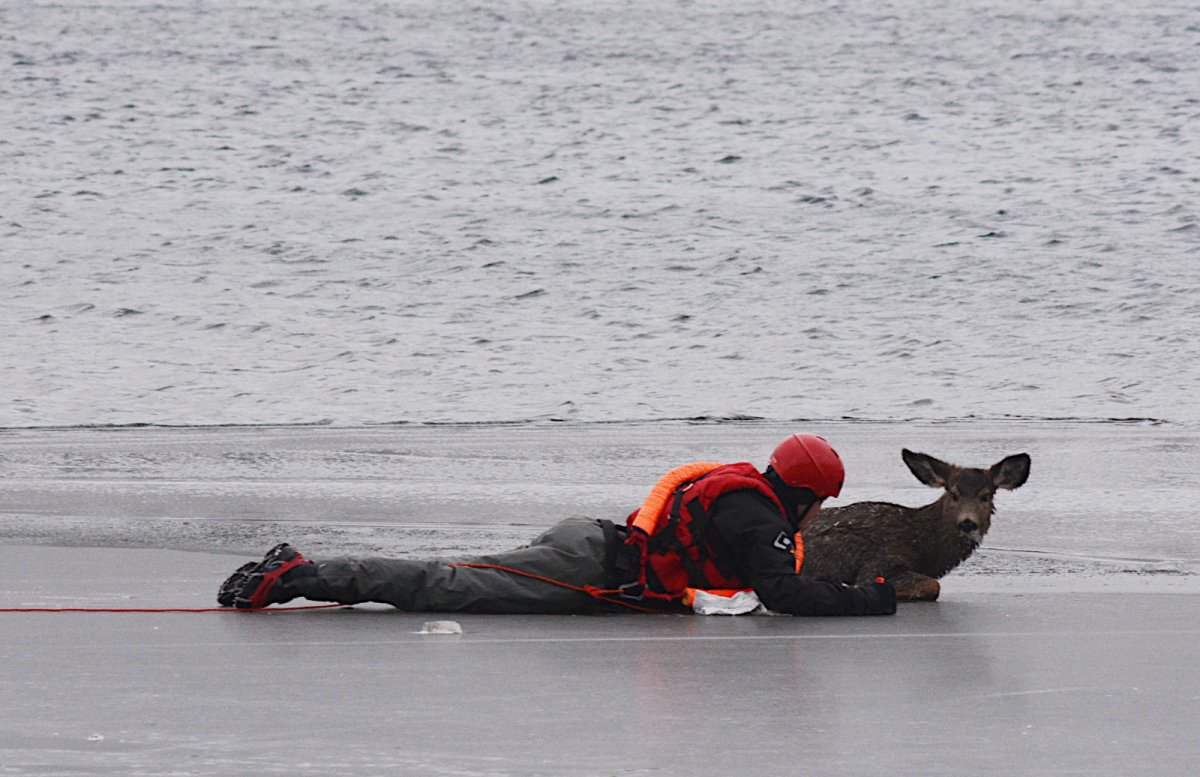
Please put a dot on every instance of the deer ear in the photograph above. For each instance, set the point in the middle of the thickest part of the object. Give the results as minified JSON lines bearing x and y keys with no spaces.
{"x":928,"y":470}
{"x":1012,"y":472}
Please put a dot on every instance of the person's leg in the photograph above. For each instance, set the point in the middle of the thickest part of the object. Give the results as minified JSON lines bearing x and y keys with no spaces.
{"x":571,"y":552}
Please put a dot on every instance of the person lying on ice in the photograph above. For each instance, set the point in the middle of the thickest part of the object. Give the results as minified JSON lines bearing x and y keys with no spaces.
{"x":706,"y":530}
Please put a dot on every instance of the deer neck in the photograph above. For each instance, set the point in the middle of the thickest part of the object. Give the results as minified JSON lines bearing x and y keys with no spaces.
{"x":945,"y":547}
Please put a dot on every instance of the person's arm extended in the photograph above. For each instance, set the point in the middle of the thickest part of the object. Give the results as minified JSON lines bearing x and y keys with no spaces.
{"x":752,"y":533}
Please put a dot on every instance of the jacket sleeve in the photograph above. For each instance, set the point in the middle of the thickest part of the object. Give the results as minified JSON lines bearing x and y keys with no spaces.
{"x":751,"y":536}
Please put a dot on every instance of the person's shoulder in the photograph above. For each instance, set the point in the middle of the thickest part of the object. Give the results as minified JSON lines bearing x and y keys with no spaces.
{"x":745,"y":500}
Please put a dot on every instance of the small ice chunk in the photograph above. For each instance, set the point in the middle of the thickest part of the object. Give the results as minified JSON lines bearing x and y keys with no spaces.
{"x":441,"y":627}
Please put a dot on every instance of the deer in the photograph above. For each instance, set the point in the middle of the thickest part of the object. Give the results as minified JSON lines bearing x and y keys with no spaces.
{"x":911,"y":547}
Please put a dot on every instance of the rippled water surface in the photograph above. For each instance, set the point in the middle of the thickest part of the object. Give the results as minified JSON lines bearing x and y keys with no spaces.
{"x":269,"y":212}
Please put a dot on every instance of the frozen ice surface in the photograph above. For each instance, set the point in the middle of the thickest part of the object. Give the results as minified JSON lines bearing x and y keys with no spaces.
{"x":978,"y":683}
{"x":1103,"y":501}
{"x":1066,"y":645}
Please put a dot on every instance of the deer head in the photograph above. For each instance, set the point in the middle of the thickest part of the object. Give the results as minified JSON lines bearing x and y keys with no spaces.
{"x":967,"y":503}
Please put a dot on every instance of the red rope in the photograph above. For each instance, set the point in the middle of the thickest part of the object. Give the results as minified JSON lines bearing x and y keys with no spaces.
{"x":604,"y":595}
{"x":170,"y":609}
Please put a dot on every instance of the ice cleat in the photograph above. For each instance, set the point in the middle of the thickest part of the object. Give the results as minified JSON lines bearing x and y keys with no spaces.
{"x":259,"y":583}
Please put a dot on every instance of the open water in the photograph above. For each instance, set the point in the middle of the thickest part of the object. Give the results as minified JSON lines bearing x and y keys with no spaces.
{"x":368,"y":212}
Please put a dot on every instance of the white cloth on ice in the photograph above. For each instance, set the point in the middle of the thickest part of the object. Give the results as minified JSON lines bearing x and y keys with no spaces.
{"x":741,"y":603}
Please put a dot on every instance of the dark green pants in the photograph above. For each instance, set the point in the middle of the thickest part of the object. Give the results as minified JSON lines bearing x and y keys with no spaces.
{"x":573,"y":552}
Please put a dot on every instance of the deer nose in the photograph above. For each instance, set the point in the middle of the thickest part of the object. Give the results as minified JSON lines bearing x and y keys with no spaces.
{"x":967,"y":526}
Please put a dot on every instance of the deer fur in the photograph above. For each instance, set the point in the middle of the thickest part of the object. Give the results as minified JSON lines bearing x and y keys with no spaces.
{"x":912,"y":547}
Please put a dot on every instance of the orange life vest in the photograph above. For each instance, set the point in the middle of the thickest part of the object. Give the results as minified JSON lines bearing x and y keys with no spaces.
{"x":669,"y":530}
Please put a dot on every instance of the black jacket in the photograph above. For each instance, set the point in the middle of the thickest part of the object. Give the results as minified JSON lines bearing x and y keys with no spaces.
{"x":749,"y":536}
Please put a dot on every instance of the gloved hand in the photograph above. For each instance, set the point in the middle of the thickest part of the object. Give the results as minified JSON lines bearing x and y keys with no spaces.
{"x":880,"y":598}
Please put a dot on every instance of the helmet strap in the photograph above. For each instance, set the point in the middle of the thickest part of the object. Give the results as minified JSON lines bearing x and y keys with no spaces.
{"x":793,"y":498}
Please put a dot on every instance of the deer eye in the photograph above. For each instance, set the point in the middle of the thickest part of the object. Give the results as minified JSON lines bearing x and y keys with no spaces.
{"x":985,"y":497}
{"x":953,"y":496}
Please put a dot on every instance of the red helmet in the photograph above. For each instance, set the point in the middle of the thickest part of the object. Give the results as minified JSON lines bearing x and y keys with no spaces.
{"x":808,"y":461}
